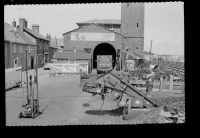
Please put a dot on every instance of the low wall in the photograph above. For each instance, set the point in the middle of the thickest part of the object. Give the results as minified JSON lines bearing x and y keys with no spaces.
{"x":13,"y":77}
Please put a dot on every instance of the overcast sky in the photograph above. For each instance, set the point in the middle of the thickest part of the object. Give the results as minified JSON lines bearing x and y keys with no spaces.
{"x":163,"y":23}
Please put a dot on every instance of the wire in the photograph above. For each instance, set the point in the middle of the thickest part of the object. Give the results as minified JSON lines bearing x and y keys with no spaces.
{"x":102,"y":103}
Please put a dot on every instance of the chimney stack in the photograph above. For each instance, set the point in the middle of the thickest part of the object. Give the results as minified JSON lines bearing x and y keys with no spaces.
{"x":48,"y":37}
{"x":35,"y":28}
{"x":23,"y":23}
{"x":14,"y":23}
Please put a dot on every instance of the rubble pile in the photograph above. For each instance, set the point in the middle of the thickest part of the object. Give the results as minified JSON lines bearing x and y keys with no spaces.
{"x":171,"y":110}
{"x":168,"y":100}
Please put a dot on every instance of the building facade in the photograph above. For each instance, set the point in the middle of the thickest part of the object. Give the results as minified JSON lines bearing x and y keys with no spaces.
{"x":132,"y":26}
{"x":15,"y":46}
{"x":53,"y":47}
{"x":41,"y":41}
{"x":93,"y":39}
{"x":107,"y":36}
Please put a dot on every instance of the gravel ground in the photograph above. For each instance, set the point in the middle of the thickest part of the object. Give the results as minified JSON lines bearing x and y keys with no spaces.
{"x":63,"y":103}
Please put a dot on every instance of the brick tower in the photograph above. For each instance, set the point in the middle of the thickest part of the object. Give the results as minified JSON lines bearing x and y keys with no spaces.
{"x":132,"y":26}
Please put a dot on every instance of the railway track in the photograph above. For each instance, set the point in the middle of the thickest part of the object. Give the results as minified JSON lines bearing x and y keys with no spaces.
{"x":175,"y":67}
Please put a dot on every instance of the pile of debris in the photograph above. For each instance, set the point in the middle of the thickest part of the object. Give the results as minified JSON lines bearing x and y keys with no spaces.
{"x":172,"y":110}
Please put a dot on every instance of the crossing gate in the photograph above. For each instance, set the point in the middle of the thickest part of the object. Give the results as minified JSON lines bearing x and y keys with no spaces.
{"x":67,"y":68}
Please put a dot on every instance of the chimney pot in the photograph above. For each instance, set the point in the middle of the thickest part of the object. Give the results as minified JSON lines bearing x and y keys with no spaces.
{"x":48,"y":36}
{"x":35,"y":28}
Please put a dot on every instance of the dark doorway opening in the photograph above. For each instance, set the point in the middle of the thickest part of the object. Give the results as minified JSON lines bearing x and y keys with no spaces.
{"x":32,"y":62}
{"x":104,"y":49}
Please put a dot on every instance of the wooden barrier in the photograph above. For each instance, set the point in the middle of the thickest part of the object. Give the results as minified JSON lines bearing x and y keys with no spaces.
{"x":13,"y":77}
{"x":170,"y":84}
{"x":65,"y":68}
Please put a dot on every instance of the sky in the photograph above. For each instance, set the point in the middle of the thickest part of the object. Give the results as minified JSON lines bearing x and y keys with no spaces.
{"x":163,"y":22}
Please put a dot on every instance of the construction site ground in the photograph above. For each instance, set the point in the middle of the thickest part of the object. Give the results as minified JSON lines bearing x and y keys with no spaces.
{"x":63,"y":103}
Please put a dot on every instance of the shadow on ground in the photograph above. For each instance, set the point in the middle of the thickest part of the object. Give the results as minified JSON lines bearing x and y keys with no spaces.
{"x":113,"y":112}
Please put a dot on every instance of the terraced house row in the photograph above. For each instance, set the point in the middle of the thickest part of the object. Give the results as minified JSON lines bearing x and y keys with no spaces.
{"x":19,"y":38}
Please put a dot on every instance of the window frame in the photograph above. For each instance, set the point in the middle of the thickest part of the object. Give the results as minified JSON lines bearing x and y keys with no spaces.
{"x":29,"y":48}
{"x":20,"y":49}
{"x":14,"y":48}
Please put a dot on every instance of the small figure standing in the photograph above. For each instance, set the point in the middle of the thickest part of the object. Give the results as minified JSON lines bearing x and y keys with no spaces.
{"x":149,"y":82}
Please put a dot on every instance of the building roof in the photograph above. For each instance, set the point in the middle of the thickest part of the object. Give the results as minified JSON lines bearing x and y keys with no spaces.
{"x":37,"y":35}
{"x":10,"y":34}
{"x":95,"y":25}
{"x":29,"y":39}
{"x":56,"y":43}
{"x":102,"y":21}
{"x":72,"y":56}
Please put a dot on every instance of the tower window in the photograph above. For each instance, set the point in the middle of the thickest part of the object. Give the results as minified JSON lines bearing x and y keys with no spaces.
{"x":137,"y":24}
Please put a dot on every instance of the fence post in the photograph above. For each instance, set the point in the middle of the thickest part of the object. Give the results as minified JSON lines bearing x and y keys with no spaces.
{"x":171,"y":83}
{"x":161,"y":83}
{"x":80,"y":75}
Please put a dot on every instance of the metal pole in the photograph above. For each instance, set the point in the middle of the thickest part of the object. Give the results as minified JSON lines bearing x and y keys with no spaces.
{"x":27,"y":78}
{"x":37,"y":83}
{"x":150,"y":49}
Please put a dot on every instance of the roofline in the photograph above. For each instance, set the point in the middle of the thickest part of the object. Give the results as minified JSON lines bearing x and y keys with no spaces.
{"x":95,"y":25}
{"x":35,"y":36}
{"x":88,"y":22}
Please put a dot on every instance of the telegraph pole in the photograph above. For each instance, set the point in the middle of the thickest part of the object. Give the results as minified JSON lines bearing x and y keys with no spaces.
{"x":151,"y":49}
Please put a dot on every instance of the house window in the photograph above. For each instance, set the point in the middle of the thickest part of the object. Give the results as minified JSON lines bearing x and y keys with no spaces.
{"x":35,"y":49}
{"x":29,"y":49}
{"x":20,"y":49}
{"x":14,"y":48}
{"x":16,"y":62}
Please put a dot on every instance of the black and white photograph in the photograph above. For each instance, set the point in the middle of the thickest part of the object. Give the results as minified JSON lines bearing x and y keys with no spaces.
{"x":94,"y":64}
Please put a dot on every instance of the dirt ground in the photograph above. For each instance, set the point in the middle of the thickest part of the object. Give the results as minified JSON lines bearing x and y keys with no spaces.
{"x":63,"y":103}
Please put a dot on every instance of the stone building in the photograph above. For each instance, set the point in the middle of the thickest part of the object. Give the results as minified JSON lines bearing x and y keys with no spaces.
{"x":107,"y":36}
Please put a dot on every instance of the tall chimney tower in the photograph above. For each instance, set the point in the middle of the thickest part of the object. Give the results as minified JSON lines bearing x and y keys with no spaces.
{"x":23,"y":23}
{"x":35,"y":28}
{"x":132,"y":26}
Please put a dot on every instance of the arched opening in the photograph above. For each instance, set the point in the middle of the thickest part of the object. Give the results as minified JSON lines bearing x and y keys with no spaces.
{"x":104,"y":49}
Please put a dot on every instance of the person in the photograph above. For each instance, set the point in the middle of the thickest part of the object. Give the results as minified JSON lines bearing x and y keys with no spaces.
{"x":149,"y":82}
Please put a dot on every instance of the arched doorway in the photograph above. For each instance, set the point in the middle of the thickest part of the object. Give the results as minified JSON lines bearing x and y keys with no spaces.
{"x":104,"y":49}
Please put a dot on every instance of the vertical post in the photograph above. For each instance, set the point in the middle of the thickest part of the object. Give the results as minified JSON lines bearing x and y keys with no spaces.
{"x":36,"y":71}
{"x":80,"y":75}
{"x":150,"y":49}
{"x":27,"y":78}
{"x":32,"y":95}
{"x":120,"y":59}
{"x":161,"y":83}
{"x":171,"y":83}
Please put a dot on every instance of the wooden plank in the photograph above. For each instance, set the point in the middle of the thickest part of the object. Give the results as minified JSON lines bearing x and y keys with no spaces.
{"x":161,"y":84}
{"x":171,"y":83}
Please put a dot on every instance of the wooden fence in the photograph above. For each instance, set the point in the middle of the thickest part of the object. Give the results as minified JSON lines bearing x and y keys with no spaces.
{"x":66,"y":68}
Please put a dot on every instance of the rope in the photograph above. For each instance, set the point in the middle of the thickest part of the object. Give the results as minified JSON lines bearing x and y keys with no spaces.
{"x":102,"y":104}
